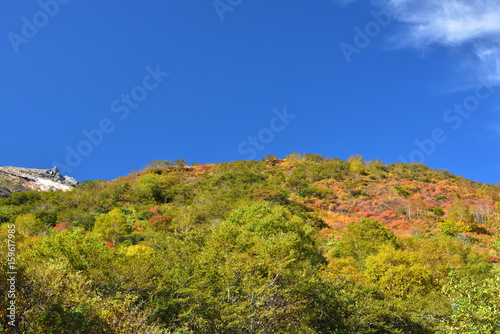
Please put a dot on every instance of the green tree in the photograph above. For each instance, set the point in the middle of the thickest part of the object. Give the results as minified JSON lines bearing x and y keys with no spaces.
{"x":112,"y":226}
{"x":357,"y":165}
{"x":48,"y":218}
{"x":362,"y":239}
{"x":399,"y":273}
{"x":71,"y":283}
{"x":156,"y":165}
{"x":460,"y":211}
{"x":28,"y":225}
{"x":453,"y":227}
{"x":476,"y":306}
{"x":180,"y":163}
{"x":257,"y":273}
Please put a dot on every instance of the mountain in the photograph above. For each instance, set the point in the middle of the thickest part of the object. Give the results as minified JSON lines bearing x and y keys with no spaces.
{"x":305,"y":244}
{"x":14,"y":179}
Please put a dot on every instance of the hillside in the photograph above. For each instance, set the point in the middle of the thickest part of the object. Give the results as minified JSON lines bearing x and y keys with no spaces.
{"x":305,"y":244}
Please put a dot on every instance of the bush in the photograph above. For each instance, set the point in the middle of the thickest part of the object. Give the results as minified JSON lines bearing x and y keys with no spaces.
{"x":453,"y":227}
{"x":21,"y":198}
{"x":438,"y":211}
{"x":62,"y":226}
{"x":57,"y":320}
{"x":159,"y":223}
{"x":48,"y":218}
{"x":401,"y":191}
{"x":256,"y":273}
{"x":29,"y":225}
{"x":399,"y":273}
{"x":363,"y":239}
{"x":304,"y":192}
{"x":475,"y":306}
{"x":180,"y":163}
{"x":112,"y":226}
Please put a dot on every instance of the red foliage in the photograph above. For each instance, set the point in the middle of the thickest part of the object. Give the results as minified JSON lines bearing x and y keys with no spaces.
{"x":388,"y":214}
{"x":494,"y":259}
{"x":368,"y":213}
{"x":63,"y":226}
{"x":341,"y":208}
{"x":109,"y":244}
{"x":201,"y":169}
{"x":159,"y":222}
{"x":400,"y":224}
{"x":138,"y":227}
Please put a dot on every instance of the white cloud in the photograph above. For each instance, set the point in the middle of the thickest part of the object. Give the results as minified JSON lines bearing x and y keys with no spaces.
{"x":489,"y":55}
{"x":448,"y":22}
{"x":471,"y":26}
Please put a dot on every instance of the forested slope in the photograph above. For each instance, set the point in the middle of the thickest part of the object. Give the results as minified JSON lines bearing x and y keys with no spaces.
{"x":301,"y":245}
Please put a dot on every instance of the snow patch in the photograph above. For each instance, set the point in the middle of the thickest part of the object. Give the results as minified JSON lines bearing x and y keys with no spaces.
{"x":46,"y":185}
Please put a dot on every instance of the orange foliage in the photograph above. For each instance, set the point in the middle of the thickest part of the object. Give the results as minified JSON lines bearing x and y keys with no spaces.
{"x":159,"y":222}
{"x":63,"y":226}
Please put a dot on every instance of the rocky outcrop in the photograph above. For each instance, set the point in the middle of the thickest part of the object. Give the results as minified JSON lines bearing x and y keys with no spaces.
{"x":14,"y":179}
{"x":4,"y":192}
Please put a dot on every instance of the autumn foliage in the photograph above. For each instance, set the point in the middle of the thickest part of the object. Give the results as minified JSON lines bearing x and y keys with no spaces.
{"x":306,"y":244}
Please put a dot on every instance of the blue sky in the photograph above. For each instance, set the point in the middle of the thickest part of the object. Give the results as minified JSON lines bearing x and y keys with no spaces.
{"x":100,"y":88}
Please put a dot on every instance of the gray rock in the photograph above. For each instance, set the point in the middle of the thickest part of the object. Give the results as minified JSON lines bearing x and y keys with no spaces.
{"x":19,"y":187}
{"x":71,"y":181}
{"x":26,"y":179}
{"x":4,"y":192}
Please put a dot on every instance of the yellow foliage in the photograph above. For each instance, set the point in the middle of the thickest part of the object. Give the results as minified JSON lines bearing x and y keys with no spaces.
{"x":139,"y":250}
{"x":452,"y":227}
{"x":399,"y":273}
{"x":112,"y":226}
{"x":28,"y":225}
{"x":346,"y":268}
